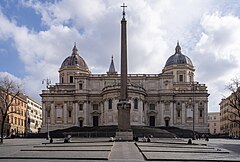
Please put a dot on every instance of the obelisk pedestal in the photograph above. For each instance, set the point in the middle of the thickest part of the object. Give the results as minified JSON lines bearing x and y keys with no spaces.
{"x":124,"y":132}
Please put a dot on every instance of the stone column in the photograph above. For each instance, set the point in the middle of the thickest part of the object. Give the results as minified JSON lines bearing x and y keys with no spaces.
{"x":85,"y":113}
{"x":196,"y":113}
{"x":141,"y":111}
{"x":76,"y":113}
{"x":183,"y":115}
{"x":65,"y":113}
{"x":173,"y":110}
{"x":52,"y":117}
{"x":162,"y":112}
{"x":44,"y":113}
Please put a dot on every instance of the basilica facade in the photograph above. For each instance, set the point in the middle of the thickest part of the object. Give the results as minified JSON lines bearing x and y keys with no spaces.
{"x":170,"y":98}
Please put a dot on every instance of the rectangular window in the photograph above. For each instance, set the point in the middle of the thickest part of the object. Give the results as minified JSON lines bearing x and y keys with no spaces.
{"x":110,"y":104}
{"x":48,"y":114}
{"x":70,"y":114}
{"x":152,"y":107}
{"x":80,"y":107}
{"x":180,"y":78}
{"x":178,"y":113}
{"x":80,"y":86}
{"x":95,"y":106}
{"x":200,"y":113}
{"x":135,"y":103}
{"x":71,"y":79}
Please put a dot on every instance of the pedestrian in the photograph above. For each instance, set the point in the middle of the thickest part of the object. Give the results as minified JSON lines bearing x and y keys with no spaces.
{"x":149,"y":139}
{"x":51,"y":140}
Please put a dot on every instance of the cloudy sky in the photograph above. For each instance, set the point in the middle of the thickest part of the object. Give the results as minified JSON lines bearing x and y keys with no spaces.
{"x":36,"y":36}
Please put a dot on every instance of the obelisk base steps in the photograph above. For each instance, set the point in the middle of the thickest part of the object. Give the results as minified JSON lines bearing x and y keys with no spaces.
{"x":124,"y":135}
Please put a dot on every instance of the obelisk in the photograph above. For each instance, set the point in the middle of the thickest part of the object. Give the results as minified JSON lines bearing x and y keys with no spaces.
{"x":124,"y":131}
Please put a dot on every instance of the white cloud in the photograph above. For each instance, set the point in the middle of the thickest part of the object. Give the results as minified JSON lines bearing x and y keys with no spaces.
{"x":218,"y":49}
{"x":82,"y":13}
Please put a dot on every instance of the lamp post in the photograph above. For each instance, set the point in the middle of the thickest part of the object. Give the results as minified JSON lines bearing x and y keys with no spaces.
{"x":48,"y":82}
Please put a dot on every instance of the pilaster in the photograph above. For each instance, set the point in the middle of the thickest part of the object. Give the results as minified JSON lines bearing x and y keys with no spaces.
{"x":52,"y":117}
{"x":65,"y":113}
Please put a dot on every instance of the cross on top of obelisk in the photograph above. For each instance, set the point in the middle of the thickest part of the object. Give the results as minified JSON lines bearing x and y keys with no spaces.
{"x":123,"y":6}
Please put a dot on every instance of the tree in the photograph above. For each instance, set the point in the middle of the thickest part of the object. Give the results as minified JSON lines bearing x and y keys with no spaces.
{"x":9,"y":91}
{"x":234,"y":101}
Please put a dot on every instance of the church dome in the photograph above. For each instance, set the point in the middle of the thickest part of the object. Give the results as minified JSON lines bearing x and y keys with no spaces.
{"x":178,"y":58}
{"x":74,"y":60}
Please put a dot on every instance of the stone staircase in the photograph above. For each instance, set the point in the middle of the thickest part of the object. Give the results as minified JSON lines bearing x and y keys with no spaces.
{"x":105,"y":131}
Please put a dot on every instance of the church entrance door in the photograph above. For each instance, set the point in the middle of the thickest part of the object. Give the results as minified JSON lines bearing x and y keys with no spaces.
{"x":95,"y":121}
{"x":80,"y":123}
{"x":152,"y":121}
{"x":167,"y":122}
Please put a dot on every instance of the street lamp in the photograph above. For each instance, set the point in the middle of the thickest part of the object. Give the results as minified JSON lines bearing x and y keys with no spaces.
{"x":47,"y":82}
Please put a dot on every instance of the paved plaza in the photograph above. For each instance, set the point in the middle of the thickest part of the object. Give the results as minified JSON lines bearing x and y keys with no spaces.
{"x":100,"y":149}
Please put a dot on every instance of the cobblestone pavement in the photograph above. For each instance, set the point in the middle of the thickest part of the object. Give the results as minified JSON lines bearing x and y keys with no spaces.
{"x":100,"y":149}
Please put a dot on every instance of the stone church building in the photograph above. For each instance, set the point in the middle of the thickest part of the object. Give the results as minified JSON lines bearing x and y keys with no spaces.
{"x":171,"y":98}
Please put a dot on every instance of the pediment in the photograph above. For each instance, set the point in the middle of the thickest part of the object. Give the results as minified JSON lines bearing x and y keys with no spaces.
{"x":95,"y":113}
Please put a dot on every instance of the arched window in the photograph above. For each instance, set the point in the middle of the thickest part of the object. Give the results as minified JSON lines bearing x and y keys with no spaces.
{"x":110,"y":104}
{"x":135,"y":103}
